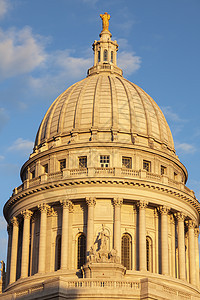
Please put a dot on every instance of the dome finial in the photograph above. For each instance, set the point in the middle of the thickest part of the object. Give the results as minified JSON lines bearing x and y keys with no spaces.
{"x":105,"y":21}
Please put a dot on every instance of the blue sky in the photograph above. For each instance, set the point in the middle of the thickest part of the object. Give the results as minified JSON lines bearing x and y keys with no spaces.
{"x":45,"y":46}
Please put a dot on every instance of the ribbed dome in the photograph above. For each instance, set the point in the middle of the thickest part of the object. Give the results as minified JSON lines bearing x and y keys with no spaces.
{"x":105,"y":102}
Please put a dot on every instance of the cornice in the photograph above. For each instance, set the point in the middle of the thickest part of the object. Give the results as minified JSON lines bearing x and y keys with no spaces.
{"x":100,"y":181}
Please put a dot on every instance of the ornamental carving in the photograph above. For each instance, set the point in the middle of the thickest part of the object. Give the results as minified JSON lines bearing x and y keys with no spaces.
{"x":180,"y":216}
{"x":164,"y":210}
{"x":43,"y":207}
{"x":14,"y":221}
{"x":51,"y":212}
{"x":142,"y":204}
{"x":117,"y":202}
{"x":190,"y":224}
{"x":90,"y":201}
{"x":26,"y":214}
{"x":196,"y":232}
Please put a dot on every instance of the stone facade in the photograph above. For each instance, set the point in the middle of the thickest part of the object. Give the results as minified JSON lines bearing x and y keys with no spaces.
{"x":103,"y":211}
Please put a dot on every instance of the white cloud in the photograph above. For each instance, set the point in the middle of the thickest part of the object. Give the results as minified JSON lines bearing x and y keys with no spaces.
{"x":129,"y":62}
{"x":20,"y":52}
{"x":171,"y":115}
{"x":25,"y":146}
{"x":4,"y":6}
{"x":185,"y":148}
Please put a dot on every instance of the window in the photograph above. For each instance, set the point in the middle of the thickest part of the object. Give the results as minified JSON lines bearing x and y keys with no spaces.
{"x":111,"y":58}
{"x":126,"y":162}
{"x":163,"y":170}
{"x":126,"y":251}
{"x":62,"y":164}
{"x":104,"y":161}
{"x":81,"y":251}
{"x":99,"y":56}
{"x":83,"y":162}
{"x":147,"y":165}
{"x":149,"y":253}
{"x":58,"y":253}
{"x":105,"y":55}
{"x":33,"y":174}
{"x":45,"y":168}
{"x":175,"y":176}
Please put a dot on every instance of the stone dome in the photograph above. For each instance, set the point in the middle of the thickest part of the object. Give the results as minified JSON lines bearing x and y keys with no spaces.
{"x":105,"y":102}
{"x":105,"y":107}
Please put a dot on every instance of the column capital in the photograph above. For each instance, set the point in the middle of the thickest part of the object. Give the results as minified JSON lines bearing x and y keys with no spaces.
{"x":43,"y":207}
{"x":164,"y":210}
{"x":51,"y":212}
{"x":142,"y":204}
{"x":91,"y":201}
{"x":180,"y":216}
{"x":172,"y":219}
{"x":117,"y":202}
{"x":196,"y":232}
{"x":65,"y":203}
{"x":26,"y":214}
{"x":190,"y":224}
{"x":14,"y":222}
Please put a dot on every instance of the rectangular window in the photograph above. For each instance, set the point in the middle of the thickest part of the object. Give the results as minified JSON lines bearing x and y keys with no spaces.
{"x":126,"y":162}
{"x":99,"y":56}
{"x":163,"y":170}
{"x":111,"y":56}
{"x":175,"y":176}
{"x":62,"y":164}
{"x":147,"y":165}
{"x":104,"y":161}
{"x":45,"y":168}
{"x":82,"y":162}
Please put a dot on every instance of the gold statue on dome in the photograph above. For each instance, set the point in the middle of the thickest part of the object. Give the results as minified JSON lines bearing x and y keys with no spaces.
{"x":105,"y":20}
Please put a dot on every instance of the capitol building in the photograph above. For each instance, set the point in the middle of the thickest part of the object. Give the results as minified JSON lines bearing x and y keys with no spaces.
{"x":103,"y":211}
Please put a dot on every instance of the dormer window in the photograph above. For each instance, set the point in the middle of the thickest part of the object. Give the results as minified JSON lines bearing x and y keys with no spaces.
{"x":62,"y":164}
{"x":83,"y":162}
{"x":104,"y":161}
{"x":105,"y":55}
{"x":126,"y":162}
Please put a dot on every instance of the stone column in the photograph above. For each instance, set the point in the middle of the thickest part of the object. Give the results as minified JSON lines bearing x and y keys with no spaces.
{"x":142,"y":236}
{"x":65,"y":233}
{"x":117,"y":202}
{"x":9,"y":230}
{"x":173,"y":246}
{"x":25,"y":243}
{"x":181,"y":246}
{"x":156,"y":256}
{"x":90,"y":222}
{"x":196,"y":233}
{"x":42,"y":243}
{"x":191,"y":250}
{"x":13,"y":259}
{"x":164,"y":240}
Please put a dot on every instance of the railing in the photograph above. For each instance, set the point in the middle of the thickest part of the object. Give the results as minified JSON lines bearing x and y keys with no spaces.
{"x":102,"y":172}
{"x":85,"y":283}
{"x":78,"y":171}
{"x":150,"y":175}
{"x":130,"y":172}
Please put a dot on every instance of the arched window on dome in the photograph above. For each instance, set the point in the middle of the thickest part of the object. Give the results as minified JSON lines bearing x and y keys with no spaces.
{"x":58,"y":252}
{"x":126,"y":251}
{"x":81,"y":250}
{"x":99,"y":56}
{"x":149,"y":254}
{"x":105,"y":55}
{"x":111,"y":57}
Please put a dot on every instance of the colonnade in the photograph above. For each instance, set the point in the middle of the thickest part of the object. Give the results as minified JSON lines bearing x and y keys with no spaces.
{"x":182,"y":221}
